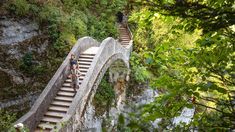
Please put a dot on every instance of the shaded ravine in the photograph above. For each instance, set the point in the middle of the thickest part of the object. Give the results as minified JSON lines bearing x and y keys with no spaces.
{"x":30,"y":97}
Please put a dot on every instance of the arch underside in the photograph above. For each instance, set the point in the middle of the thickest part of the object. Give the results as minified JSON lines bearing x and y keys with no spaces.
{"x":117,"y":64}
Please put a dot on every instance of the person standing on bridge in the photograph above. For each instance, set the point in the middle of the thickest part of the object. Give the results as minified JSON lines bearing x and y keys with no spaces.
{"x":73,"y":61}
{"x":119,"y":17}
{"x":75,"y":77}
{"x":75,"y":73}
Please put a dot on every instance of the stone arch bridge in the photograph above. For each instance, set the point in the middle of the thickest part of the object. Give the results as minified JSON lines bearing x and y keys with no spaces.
{"x":57,"y":109}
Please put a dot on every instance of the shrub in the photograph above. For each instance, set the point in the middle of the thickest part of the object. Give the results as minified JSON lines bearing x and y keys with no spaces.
{"x":139,"y":71}
{"x":6,"y":119}
{"x":64,"y":43}
{"x":75,"y":24}
{"x":104,"y":96}
{"x":27,"y":59}
{"x":50,"y":13}
{"x":19,"y":7}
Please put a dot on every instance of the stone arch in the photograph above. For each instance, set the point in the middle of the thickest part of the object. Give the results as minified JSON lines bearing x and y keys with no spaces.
{"x":114,"y":61}
{"x":110,"y":53}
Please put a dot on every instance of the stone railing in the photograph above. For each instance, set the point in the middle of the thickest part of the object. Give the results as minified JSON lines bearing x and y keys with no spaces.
{"x":109,"y":52}
{"x":33,"y":117}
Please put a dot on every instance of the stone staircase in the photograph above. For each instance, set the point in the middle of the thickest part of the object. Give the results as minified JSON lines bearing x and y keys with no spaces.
{"x":124,"y":36}
{"x":60,"y":105}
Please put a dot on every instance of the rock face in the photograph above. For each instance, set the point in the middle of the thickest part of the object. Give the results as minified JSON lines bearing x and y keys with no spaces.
{"x":5,"y":79}
{"x":13,"y":31}
{"x":19,"y":37}
{"x":12,"y":77}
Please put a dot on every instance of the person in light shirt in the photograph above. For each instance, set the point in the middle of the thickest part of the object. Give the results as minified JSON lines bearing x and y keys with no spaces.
{"x":75,"y":73}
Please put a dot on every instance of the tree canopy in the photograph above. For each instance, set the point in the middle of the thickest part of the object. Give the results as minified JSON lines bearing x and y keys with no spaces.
{"x":189,"y":47}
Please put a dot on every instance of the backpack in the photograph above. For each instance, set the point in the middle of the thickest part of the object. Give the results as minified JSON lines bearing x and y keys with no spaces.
{"x":73,"y":62}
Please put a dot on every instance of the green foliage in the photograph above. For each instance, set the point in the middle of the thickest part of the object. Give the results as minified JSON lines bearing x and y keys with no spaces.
{"x":139,"y":72}
{"x":121,"y":124}
{"x":19,"y":7}
{"x":68,"y":20}
{"x":27,"y":59}
{"x":76,"y":24}
{"x":103,"y":26}
{"x":50,"y":13}
{"x":104,"y":96}
{"x":64,"y":43}
{"x":188,"y":57}
{"x":28,"y":65}
{"x":6,"y":120}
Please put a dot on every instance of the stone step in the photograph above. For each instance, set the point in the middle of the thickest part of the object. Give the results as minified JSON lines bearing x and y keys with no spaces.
{"x":60,"y":103}
{"x":58,"y":108}
{"x":124,"y":36}
{"x":54,"y":114}
{"x":66,"y":89}
{"x":62,"y":98}
{"x":84,"y":63}
{"x":125,"y":44}
{"x":83,"y":70}
{"x":123,"y":30}
{"x":63,"y":93}
{"x":68,"y":80}
{"x":50,"y":119}
{"x":85,"y":59}
{"x":124,"y":33}
{"x":83,"y":67}
{"x":83,"y":74}
{"x":125,"y":41}
{"x":86,"y":56}
{"x":41,"y":130}
{"x":81,"y":78}
{"x":80,"y":82}
{"x":45,"y":126}
{"x":67,"y":85}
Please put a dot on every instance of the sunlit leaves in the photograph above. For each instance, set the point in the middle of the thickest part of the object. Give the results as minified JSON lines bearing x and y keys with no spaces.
{"x":189,"y":48}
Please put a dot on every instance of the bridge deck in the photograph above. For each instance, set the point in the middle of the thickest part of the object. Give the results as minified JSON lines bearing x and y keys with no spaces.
{"x":60,"y":105}
{"x":92,"y":50}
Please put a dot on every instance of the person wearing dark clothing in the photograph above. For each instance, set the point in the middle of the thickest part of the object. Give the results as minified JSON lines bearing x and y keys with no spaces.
{"x":119,"y":17}
{"x":75,"y":73}
{"x":73,"y":60}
